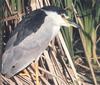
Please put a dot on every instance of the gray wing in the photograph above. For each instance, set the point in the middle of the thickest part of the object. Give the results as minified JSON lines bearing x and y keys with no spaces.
{"x":11,"y":41}
{"x":30,"y":24}
{"x":18,"y":57}
{"x":15,"y":57}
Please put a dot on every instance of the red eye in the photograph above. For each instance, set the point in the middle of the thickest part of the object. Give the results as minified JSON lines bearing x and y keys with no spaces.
{"x":63,"y":15}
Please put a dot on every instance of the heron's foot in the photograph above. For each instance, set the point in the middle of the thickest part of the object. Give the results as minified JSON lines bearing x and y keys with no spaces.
{"x":24,"y":73}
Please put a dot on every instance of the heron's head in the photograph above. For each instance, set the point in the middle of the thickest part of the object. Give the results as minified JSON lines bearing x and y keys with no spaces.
{"x":59,"y":16}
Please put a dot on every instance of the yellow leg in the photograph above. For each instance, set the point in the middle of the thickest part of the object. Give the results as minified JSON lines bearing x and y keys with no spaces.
{"x":37,"y":74}
{"x":24,"y":73}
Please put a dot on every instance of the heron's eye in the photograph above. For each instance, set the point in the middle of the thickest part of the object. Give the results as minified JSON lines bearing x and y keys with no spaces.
{"x":63,"y":15}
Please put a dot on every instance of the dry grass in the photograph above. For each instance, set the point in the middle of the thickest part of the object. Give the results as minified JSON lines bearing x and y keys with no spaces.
{"x":55,"y":64}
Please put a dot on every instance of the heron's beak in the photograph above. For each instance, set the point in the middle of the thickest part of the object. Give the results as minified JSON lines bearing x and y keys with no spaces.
{"x":70,"y":23}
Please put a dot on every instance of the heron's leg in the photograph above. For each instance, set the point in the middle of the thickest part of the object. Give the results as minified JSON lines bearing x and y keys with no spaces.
{"x":36,"y":73}
{"x":24,"y":73}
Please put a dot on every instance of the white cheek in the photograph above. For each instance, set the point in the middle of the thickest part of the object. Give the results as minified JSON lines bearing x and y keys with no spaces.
{"x":57,"y":19}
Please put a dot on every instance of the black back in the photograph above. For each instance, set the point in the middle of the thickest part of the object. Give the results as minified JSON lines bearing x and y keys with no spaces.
{"x":32,"y":22}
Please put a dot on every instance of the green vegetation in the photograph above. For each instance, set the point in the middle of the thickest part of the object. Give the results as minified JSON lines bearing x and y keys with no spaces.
{"x":83,"y":43}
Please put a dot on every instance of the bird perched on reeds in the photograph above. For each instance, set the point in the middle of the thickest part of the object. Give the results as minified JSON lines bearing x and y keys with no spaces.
{"x":31,"y":37}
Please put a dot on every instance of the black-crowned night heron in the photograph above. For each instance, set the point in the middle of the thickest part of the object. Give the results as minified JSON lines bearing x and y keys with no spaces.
{"x":31,"y":37}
